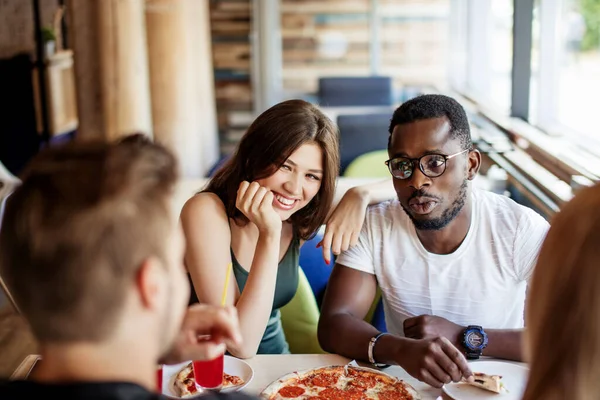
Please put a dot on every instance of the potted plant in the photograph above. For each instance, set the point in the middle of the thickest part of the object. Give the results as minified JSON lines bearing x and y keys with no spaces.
{"x":49,"y":40}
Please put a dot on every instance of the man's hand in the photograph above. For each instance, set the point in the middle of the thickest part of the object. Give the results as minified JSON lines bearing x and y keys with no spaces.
{"x":434,"y":361}
{"x":430,"y":326}
{"x":344,"y":224}
{"x":205,"y":333}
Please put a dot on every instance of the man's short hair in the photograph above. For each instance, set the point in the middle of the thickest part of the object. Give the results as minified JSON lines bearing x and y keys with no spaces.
{"x":430,"y":106}
{"x":77,"y":229}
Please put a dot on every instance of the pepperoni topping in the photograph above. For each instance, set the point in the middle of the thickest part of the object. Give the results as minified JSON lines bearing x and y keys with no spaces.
{"x":360,"y":386}
{"x":399,"y":393}
{"x":231,"y":380}
{"x":321,"y":380}
{"x":332,"y":394}
{"x":355,"y":394}
{"x":190,"y":385}
{"x":291,"y":391}
{"x":363,"y":382}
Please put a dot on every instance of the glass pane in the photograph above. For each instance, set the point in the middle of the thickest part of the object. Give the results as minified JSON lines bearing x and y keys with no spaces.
{"x":501,"y":46}
{"x":579,"y":65}
{"x":491,"y":55}
{"x":566,"y":69}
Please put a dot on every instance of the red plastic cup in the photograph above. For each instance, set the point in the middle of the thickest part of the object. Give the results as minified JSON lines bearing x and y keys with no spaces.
{"x":209,"y":374}
{"x":159,"y":378}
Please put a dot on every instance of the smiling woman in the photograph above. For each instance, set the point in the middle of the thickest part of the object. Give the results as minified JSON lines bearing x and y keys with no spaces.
{"x":274,"y":193}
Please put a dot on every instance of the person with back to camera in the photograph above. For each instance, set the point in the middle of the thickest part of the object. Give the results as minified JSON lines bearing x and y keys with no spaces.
{"x":93,"y":256}
{"x":258,"y":210}
{"x":562,"y":338}
{"x":452,"y":260}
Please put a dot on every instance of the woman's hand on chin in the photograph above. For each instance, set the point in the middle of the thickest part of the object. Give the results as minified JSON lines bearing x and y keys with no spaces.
{"x":256,"y":203}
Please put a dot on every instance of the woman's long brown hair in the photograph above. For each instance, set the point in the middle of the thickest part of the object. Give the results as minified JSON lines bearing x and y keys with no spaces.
{"x":267,"y":144}
{"x":563,"y":309}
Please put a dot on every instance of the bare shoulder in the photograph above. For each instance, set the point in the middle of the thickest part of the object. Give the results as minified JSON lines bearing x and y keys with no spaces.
{"x":204,"y":206}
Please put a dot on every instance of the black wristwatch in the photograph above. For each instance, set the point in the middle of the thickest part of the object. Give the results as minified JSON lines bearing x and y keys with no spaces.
{"x":474,"y":341}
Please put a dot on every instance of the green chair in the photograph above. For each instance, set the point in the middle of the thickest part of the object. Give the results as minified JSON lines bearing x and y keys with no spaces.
{"x":369,"y":165}
{"x":300,"y":318}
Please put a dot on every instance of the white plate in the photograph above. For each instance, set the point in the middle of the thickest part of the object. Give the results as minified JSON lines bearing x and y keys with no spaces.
{"x":514,"y":377}
{"x":231,"y":366}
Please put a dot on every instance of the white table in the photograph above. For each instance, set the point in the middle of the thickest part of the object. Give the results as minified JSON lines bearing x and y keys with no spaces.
{"x":267,"y":368}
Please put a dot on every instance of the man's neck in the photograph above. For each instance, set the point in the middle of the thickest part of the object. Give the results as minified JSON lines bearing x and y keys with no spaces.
{"x":448,"y":239}
{"x":93,"y":362}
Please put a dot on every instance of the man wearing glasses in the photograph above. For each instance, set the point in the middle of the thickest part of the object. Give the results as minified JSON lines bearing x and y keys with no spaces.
{"x":452,"y":261}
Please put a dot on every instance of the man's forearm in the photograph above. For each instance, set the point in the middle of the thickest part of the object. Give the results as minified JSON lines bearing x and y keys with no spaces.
{"x":504,"y":343}
{"x":346,"y":335}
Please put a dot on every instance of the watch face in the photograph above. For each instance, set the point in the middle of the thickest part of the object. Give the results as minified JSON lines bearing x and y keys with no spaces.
{"x":474,"y":340}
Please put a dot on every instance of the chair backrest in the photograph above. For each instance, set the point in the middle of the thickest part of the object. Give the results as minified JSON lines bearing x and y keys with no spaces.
{"x":369,"y":165}
{"x":317,"y":274}
{"x":360,"y":134}
{"x":355,"y":91}
{"x":376,"y":316}
{"x":314,"y":267}
{"x":300,"y":320}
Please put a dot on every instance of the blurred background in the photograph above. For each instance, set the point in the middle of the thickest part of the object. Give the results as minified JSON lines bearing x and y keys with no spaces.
{"x":193,"y":74}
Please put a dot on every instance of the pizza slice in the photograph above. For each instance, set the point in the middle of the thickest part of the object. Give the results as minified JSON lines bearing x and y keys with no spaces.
{"x":231,"y":380}
{"x":184,"y":383}
{"x":493,"y":383}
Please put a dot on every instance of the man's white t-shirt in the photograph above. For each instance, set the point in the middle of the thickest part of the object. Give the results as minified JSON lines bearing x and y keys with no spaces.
{"x":482,"y":283}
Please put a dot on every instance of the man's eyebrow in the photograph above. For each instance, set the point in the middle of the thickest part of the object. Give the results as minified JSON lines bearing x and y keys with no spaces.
{"x":316,"y":171}
{"x":433,"y":151}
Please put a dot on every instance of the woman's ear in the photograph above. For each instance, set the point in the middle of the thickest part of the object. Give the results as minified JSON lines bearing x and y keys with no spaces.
{"x":474,"y":163}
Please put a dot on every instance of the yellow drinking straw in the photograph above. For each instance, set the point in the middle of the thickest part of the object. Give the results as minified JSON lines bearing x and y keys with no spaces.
{"x":224,"y":296}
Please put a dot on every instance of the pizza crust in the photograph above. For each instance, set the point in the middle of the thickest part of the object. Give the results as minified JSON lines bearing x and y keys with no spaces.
{"x":184,"y":384}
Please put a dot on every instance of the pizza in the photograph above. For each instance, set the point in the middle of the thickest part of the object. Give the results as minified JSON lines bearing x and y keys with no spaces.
{"x":493,"y":383}
{"x":184,"y":384}
{"x":339,"y":382}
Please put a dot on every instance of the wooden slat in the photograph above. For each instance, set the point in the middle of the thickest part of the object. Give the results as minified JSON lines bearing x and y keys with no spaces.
{"x":232,"y":54}
{"x":230,"y":27}
{"x":320,"y":6}
{"x":232,"y":6}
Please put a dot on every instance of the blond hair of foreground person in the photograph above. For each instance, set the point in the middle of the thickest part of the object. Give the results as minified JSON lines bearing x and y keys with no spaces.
{"x":562,"y":315}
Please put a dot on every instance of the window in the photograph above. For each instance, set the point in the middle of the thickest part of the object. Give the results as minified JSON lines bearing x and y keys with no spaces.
{"x":567,"y":73}
{"x":481,"y":61}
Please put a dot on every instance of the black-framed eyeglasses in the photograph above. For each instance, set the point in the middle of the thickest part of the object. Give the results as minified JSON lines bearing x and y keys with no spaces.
{"x":431,"y":165}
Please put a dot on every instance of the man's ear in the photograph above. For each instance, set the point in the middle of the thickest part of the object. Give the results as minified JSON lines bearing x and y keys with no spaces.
{"x":474,"y":162}
{"x":148,"y":282}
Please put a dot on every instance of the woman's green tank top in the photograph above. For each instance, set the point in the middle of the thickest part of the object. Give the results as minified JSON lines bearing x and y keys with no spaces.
{"x":273,"y":341}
